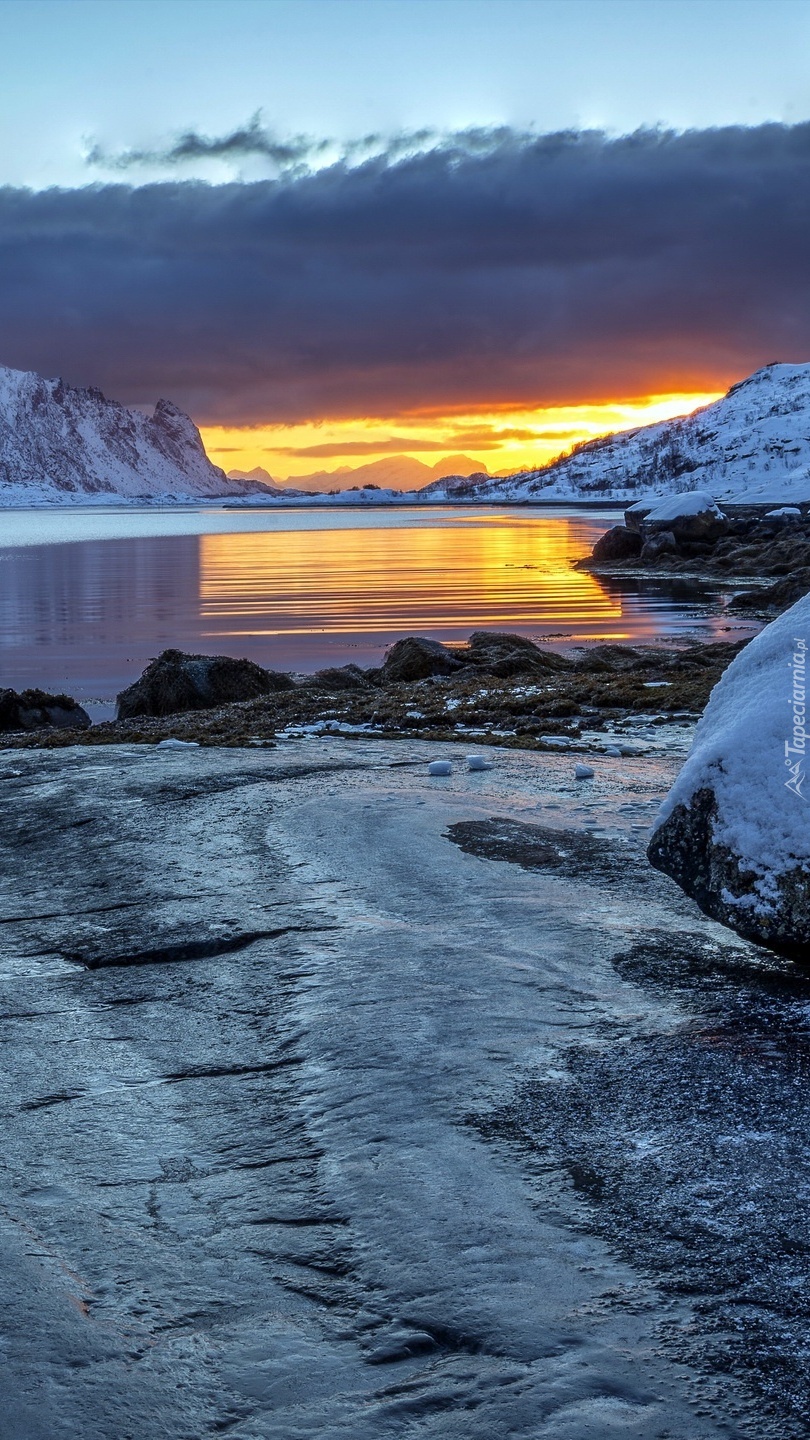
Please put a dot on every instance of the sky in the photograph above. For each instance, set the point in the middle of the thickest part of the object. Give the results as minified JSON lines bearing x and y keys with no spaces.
{"x":333,"y":230}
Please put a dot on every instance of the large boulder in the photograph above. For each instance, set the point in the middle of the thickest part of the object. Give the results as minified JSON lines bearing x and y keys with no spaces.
{"x":734,"y":831}
{"x":175,"y":682}
{"x":691,"y":516}
{"x":37,"y":710}
{"x":505,"y":655}
{"x":635,"y":514}
{"x":415,"y":658}
{"x":337,"y":677}
{"x":617,"y":544}
{"x":661,"y":543}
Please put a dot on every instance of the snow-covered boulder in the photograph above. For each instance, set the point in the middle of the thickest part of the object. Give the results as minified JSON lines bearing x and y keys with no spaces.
{"x":785,"y":515}
{"x":691,"y":516}
{"x":635,"y":514}
{"x":734,"y":830}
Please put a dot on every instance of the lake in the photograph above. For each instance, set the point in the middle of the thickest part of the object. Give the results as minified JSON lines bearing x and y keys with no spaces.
{"x":87,"y":597}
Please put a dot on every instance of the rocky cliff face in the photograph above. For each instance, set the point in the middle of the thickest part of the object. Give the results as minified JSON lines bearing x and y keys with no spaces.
{"x":62,"y":444}
{"x":751,"y":446}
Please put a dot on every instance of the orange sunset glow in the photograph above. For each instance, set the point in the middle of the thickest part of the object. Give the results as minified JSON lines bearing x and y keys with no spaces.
{"x":501,"y":440}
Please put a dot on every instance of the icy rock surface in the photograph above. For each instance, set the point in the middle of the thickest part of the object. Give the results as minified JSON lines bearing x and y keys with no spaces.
{"x":735,"y":829}
{"x":254,"y":1006}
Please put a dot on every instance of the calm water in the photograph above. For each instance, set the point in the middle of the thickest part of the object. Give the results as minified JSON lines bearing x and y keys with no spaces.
{"x":87,"y":598}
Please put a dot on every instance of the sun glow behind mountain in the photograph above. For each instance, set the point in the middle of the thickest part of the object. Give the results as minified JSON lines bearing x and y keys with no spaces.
{"x":505,"y":439}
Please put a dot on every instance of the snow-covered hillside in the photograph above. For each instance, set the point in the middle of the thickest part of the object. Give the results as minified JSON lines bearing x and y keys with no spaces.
{"x":753,"y":445}
{"x":60,"y":445}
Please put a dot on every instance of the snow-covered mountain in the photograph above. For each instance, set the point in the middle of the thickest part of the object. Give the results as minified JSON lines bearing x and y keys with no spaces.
{"x":63,"y":445}
{"x":753,"y":445}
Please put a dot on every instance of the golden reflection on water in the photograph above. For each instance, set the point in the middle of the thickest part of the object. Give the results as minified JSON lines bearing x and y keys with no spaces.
{"x":482,"y":572}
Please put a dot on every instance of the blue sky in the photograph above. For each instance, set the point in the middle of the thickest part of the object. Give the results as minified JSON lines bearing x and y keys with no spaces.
{"x":123,"y":74}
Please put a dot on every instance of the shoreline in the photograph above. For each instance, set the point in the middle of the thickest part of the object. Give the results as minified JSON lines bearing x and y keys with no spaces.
{"x":608,"y":695}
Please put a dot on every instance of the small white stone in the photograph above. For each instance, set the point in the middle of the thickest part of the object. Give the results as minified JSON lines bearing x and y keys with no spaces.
{"x":477,"y":762}
{"x":583,"y":772}
{"x":612,"y":750}
{"x":440,"y":767}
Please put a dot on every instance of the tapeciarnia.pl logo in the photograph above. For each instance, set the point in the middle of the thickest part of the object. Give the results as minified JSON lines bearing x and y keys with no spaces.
{"x":796,"y":748}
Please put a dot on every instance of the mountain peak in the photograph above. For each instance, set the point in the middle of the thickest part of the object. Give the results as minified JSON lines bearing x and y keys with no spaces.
{"x":58,"y":442}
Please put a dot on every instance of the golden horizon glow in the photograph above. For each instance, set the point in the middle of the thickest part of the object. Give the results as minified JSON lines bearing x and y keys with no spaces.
{"x":502,"y":440}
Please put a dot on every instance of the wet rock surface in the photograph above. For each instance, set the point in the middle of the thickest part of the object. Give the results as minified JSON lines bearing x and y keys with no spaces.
{"x":241,"y":1189}
{"x":687,"y":1150}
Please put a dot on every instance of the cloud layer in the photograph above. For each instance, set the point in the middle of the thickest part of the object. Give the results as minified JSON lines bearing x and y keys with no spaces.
{"x":519,"y":271}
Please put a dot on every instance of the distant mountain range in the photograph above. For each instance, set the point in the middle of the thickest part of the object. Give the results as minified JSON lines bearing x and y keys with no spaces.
{"x":393,"y":472}
{"x":60,"y":444}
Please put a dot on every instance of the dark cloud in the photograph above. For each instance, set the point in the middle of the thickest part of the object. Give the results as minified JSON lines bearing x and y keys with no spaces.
{"x":532,"y":270}
{"x":248,"y":140}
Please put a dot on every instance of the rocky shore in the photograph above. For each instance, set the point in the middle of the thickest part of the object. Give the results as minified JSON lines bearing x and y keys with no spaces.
{"x":765,"y":550}
{"x":498,"y":689}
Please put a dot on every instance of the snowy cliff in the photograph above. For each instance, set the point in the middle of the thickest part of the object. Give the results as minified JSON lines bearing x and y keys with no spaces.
{"x":59,"y":444}
{"x":753,"y":445}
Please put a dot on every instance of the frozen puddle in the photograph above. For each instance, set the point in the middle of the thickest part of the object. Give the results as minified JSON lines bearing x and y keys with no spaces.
{"x":282,"y":1035}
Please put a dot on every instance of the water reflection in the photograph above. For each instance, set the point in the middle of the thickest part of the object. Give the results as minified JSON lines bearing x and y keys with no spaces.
{"x":86,"y":616}
{"x":444,"y":580}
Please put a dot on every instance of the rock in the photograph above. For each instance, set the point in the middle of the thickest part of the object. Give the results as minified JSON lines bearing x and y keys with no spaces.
{"x":36,"y":710}
{"x":415,"y":658}
{"x":506,"y":655}
{"x":775,"y":598}
{"x":734,"y":831}
{"x":661,"y":544}
{"x":634,"y":514}
{"x":176,"y":682}
{"x":786,"y":515}
{"x":617,"y":544}
{"x":337,"y":677}
{"x":477,"y":762}
{"x":440,"y":767}
{"x":691,"y":516}
{"x":583,"y":772}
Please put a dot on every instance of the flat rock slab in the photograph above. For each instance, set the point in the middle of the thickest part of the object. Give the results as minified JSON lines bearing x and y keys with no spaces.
{"x":268,"y":1035}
